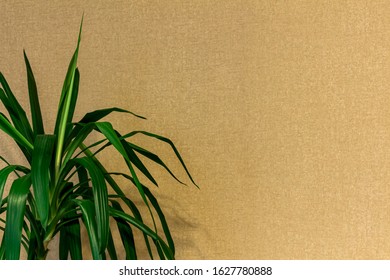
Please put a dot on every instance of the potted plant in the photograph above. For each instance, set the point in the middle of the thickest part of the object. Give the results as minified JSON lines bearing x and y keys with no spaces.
{"x":64,"y":184}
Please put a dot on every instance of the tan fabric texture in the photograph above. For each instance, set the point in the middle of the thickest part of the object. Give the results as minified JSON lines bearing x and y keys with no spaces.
{"x":279,"y":108}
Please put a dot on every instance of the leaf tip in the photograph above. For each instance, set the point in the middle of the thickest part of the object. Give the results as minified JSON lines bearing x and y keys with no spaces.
{"x":81,"y":28}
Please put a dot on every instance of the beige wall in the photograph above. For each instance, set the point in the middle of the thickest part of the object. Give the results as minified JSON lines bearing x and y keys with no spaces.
{"x":280,"y":108}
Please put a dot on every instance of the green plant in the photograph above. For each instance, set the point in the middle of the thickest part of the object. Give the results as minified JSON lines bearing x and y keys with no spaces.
{"x":65,"y":184}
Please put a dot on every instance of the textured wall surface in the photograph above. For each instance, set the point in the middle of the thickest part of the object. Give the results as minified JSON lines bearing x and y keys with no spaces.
{"x":280,"y":109}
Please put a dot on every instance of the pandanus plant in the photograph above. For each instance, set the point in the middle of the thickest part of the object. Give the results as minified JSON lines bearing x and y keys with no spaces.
{"x":64,"y":186}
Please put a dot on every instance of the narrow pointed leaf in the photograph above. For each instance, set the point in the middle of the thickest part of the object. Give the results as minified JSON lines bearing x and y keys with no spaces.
{"x":153,"y":157}
{"x":109,"y":132}
{"x":75,"y":92}
{"x":168,"y":141}
{"x":67,"y":82}
{"x":18,"y":115}
{"x":69,"y":124}
{"x":11,"y":111}
{"x":7,"y":127}
{"x":97,"y":115}
{"x":137,"y":162}
{"x":64,"y":110}
{"x":36,"y":114}
{"x":15,"y":120}
{"x":101,"y":113}
{"x":7,"y":104}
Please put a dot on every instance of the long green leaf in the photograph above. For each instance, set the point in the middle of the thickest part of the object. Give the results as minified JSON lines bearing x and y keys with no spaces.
{"x":158,"y":210}
{"x":95,"y":116}
{"x":11,"y":110}
{"x":137,"y":162}
{"x":101,"y":113}
{"x":88,"y":212}
{"x":144,"y":228}
{"x":153,"y":157}
{"x":108,"y":131}
{"x":76,"y":252}
{"x":64,"y":109}
{"x":160,"y":250}
{"x":4,"y":173}
{"x":130,"y":204}
{"x":22,"y":168}
{"x":126,"y":234}
{"x":40,"y":175}
{"x":111,"y":247}
{"x":7,"y":127}
{"x":15,"y":120}
{"x":100,"y":195}
{"x":73,"y":101}
{"x":117,"y":190}
{"x":168,"y":141}
{"x":7,"y":104}
{"x":15,"y":216}
{"x":70,"y":240}
{"x":67,"y":84}
{"x":82,"y":134}
{"x":72,"y":107}
{"x":36,"y":114}
{"x":18,"y":115}
{"x":161,"y":216}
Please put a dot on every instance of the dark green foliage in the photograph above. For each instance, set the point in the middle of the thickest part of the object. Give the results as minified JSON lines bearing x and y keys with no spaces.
{"x":65,"y":185}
